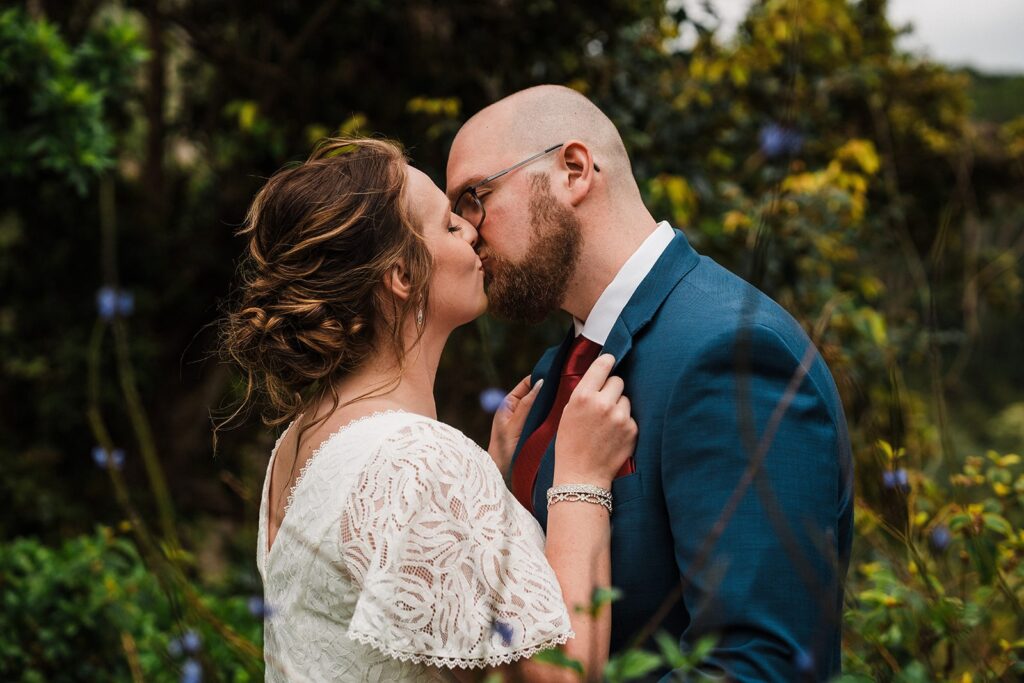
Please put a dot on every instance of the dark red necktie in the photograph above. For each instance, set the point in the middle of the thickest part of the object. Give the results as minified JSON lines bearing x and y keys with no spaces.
{"x":582,"y":353}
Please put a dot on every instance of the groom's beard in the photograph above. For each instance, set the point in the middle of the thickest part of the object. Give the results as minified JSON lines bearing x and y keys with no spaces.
{"x":531,"y":290}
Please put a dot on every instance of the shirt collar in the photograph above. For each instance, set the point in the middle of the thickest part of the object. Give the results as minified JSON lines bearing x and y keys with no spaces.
{"x":619,"y":291}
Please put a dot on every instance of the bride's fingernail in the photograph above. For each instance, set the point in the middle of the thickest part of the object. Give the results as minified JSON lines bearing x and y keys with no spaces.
{"x":538,"y":384}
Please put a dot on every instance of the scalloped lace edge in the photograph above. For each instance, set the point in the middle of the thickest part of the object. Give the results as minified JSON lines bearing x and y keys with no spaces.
{"x":323,"y":445}
{"x":462,"y":662}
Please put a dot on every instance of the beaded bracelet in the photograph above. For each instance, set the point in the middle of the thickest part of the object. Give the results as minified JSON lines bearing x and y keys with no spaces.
{"x":580,"y":493}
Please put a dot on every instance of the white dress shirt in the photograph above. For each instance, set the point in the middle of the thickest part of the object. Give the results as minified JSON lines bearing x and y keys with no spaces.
{"x":620,"y":290}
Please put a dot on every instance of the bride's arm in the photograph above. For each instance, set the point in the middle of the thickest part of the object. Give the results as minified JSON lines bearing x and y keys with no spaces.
{"x":577,"y":547}
{"x":596,"y":436}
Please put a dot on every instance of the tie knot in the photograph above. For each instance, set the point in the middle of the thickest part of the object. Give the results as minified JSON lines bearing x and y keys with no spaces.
{"x":582,"y":354}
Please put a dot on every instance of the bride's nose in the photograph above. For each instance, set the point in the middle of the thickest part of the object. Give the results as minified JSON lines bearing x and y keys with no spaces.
{"x":469,"y":231}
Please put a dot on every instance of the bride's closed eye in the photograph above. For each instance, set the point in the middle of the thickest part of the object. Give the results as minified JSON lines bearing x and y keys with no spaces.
{"x":454,"y":228}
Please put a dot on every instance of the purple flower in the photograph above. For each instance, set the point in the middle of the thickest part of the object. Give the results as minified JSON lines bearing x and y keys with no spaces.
{"x":102,"y":457}
{"x":776,"y":140}
{"x":191,"y":671}
{"x":491,"y":399}
{"x":940,"y":537}
{"x":504,"y":630}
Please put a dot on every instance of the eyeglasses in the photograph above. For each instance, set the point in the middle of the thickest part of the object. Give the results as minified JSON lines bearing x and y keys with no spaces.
{"x":468,"y":204}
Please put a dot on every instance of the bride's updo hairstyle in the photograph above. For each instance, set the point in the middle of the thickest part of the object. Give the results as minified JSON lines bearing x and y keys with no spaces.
{"x":311,"y":304}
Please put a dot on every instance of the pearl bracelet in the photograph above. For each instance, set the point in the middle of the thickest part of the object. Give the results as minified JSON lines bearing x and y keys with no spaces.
{"x":580,"y":493}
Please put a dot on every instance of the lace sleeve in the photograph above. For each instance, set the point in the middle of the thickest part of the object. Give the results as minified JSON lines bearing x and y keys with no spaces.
{"x":451,"y":569}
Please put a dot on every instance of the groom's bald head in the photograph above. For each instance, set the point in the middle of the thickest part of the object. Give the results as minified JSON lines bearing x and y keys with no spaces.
{"x":531,"y":120}
{"x":539,"y":222}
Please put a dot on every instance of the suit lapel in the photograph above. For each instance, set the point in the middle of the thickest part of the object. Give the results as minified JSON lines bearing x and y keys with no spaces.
{"x":678,"y":259}
{"x":672,"y":266}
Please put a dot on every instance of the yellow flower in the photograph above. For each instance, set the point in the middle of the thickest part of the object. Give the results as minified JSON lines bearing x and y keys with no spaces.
{"x":862,"y":153}
{"x":870,"y":568}
{"x":734,"y":220}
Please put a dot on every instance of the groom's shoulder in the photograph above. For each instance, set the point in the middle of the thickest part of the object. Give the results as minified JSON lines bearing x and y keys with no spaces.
{"x":711,"y":304}
{"x":712,"y":310}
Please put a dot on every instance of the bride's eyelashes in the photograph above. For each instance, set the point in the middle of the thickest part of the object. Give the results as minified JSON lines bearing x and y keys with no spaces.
{"x":454,"y":228}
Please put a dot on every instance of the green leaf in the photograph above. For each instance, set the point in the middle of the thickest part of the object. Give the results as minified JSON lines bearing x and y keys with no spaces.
{"x":605,"y":596}
{"x":702,"y":649}
{"x":957,"y":522}
{"x":998,"y":524}
{"x":670,"y":651}
{"x":631,"y":664}
{"x":558,"y":658}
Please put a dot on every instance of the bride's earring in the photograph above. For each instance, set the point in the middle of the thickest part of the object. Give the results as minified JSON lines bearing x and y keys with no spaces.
{"x":419,"y":317}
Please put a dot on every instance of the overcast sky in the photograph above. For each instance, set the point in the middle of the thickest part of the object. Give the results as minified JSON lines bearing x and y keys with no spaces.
{"x":986,"y":34}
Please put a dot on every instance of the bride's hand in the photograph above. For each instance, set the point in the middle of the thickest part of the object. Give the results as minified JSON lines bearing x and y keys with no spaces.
{"x":597,"y":433}
{"x":508,"y":423}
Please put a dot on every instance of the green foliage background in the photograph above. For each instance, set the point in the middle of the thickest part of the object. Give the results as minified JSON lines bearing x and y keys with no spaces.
{"x":133,"y":135}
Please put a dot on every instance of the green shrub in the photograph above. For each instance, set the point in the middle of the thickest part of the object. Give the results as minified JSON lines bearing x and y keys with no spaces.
{"x":90,"y":610}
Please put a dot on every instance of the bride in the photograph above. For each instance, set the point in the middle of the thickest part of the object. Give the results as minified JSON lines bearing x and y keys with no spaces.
{"x":389,"y":546}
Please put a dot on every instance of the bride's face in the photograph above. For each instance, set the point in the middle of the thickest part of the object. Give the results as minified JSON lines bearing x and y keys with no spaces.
{"x":457,"y":279}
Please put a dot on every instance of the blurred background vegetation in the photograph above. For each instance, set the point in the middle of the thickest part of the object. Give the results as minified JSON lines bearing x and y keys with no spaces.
{"x":877,"y":196}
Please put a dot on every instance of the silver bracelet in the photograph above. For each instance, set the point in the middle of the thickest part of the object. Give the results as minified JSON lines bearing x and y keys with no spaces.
{"x":580,"y":493}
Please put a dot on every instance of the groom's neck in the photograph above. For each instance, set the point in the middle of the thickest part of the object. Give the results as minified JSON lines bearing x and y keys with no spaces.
{"x":608,"y":242}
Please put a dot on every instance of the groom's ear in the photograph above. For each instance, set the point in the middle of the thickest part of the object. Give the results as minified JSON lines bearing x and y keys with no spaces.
{"x":580,"y":169}
{"x":396,"y":280}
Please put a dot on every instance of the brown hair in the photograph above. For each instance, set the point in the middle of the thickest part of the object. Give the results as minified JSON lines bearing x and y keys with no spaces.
{"x":311,"y":306}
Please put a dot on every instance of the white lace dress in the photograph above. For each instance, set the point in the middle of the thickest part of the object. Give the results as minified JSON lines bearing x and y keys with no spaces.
{"x":401,"y":547}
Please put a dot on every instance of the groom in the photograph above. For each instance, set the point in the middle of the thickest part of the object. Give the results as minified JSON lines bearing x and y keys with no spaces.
{"x":734,"y":518}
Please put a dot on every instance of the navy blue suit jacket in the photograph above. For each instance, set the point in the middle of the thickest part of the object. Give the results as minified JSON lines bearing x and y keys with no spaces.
{"x":720,"y":377}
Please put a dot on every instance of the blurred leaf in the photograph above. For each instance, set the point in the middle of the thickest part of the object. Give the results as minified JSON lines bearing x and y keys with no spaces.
{"x":558,"y":658}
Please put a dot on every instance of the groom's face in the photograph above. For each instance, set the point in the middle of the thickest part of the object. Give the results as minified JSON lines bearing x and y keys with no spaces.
{"x":529,"y":242}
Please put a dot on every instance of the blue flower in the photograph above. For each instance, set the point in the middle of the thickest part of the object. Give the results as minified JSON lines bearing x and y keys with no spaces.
{"x":191,"y":671}
{"x":191,"y":642}
{"x":776,"y":140}
{"x":106,"y":302}
{"x":804,"y":661}
{"x":111,"y":302}
{"x":101,"y":457}
{"x":896,"y":479}
{"x":940,"y":537}
{"x":125,"y":303}
{"x":504,"y":630}
{"x":491,"y":399}
{"x":258,"y":608}
{"x":901,"y":478}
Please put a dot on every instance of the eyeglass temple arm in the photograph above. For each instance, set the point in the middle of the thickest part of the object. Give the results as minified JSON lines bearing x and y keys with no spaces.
{"x":515,"y":166}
